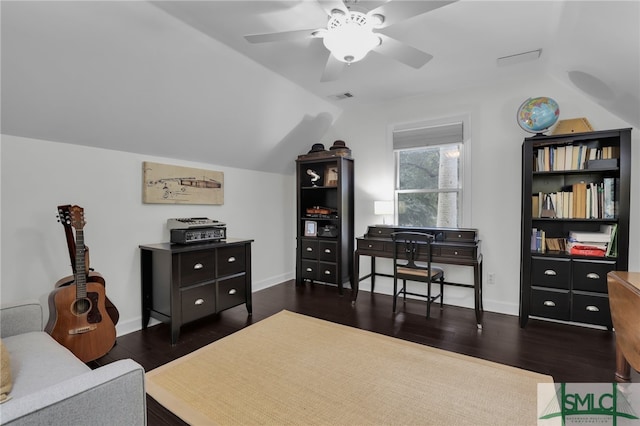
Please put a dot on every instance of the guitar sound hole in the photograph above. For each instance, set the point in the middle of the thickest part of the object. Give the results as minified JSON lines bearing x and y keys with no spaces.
{"x":81,"y":306}
{"x":88,"y":306}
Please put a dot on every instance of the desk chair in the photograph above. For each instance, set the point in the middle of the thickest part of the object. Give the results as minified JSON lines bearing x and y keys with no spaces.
{"x":412,"y":262}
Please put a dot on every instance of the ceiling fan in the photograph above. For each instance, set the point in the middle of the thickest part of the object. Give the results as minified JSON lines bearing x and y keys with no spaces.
{"x":350,"y":35}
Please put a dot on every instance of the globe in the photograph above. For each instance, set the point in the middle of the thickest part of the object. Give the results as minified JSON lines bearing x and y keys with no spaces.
{"x":536,"y":115}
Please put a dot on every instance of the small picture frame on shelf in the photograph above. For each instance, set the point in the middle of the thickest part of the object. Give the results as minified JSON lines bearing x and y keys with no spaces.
{"x":331,"y":176}
{"x":310,"y":228}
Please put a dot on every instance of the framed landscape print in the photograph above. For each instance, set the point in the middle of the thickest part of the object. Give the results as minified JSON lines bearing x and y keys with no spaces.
{"x":169,"y":184}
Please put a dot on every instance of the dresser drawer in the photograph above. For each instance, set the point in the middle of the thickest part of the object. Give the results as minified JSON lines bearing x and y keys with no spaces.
{"x":550,"y":304}
{"x":591,"y":309}
{"x":591,"y":275}
{"x":198,"y":302}
{"x":196,"y":267}
{"x":231,"y":260}
{"x":309,"y":249}
{"x":231,"y":292}
{"x":554,"y":273}
{"x":328,"y":251}
{"x":327,"y":272}
{"x":309,"y":269}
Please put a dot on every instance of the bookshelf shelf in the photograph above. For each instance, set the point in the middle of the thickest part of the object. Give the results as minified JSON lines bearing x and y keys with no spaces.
{"x":570,"y":285}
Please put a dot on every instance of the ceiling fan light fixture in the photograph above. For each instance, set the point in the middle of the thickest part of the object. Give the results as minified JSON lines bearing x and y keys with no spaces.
{"x":350,"y":37}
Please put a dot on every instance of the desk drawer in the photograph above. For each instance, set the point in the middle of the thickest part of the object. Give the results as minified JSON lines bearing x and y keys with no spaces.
{"x":196,"y":267}
{"x":371,"y":245}
{"x":465,"y":236}
{"x":381,"y":232}
{"x":198,"y":302}
{"x":463,"y":252}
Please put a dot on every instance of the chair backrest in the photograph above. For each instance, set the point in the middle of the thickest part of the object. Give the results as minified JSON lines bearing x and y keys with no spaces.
{"x":412,"y":247}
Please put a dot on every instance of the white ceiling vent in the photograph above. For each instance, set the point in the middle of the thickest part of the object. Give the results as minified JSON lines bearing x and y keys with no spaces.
{"x":340,"y":96}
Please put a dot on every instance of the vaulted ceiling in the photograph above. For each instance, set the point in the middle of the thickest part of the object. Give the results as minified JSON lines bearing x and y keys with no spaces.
{"x":173,"y":78}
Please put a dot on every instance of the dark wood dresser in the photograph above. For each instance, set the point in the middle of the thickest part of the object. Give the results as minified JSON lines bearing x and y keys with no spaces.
{"x":183,"y":283}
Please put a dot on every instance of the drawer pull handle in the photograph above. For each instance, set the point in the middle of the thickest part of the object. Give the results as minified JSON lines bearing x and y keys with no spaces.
{"x":370,"y":245}
{"x":199,"y":302}
{"x":459,"y":235}
{"x":549,"y":303}
{"x":198,"y":266}
{"x":309,"y":249}
{"x":327,"y":272}
{"x":593,"y":276}
{"x":231,"y":259}
{"x":309,"y":269}
{"x":455,"y":252}
{"x":327,"y":251}
{"x":550,"y":272}
{"x":592,"y":308}
{"x":232,"y":291}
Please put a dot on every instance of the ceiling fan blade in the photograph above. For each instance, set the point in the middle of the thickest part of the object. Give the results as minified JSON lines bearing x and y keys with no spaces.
{"x":329,"y":5}
{"x":281,"y":36}
{"x":402,"y":52}
{"x":332,"y":69}
{"x":396,"y":11}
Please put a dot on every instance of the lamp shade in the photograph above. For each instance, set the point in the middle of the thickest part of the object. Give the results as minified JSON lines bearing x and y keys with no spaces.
{"x":383,"y":207}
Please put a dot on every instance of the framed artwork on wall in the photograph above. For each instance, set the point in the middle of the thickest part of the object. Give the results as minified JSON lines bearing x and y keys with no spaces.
{"x":169,"y":184}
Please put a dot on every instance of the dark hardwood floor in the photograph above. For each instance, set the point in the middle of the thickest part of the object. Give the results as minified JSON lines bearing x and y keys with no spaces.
{"x":568,"y":353}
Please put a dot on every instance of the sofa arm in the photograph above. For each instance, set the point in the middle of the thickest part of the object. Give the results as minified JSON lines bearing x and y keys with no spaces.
{"x":113,"y":394}
{"x":20,"y":317}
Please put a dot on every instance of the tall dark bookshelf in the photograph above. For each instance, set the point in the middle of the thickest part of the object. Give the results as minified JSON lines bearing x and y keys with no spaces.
{"x":325,"y":235}
{"x":556,"y":284}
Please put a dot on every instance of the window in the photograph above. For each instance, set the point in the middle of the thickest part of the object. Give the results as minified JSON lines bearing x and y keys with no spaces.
{"x":429,"y":169}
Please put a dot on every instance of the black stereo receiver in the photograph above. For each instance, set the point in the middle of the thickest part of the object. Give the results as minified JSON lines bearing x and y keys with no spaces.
{"x":198,"y":235}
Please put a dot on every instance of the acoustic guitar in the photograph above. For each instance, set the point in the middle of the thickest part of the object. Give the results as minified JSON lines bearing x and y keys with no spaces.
{"x":64,"y":217}
{"x":77,"y":312}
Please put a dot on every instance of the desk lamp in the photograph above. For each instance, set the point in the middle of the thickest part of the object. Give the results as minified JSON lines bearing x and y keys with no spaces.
{"x":383,"y":208}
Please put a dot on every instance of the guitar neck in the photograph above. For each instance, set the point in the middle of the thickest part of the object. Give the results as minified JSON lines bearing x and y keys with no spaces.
{"x":80,"y":273}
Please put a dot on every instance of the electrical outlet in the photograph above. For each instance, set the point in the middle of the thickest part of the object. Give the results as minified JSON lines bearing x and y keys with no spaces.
{"x":491,"y":278}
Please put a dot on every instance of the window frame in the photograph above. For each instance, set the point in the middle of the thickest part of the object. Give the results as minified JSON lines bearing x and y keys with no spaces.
{"x":465,"y":188}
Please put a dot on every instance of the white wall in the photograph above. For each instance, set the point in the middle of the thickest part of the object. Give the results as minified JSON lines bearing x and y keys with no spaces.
{"x":37,"y":176}
{"x":495,"y":152}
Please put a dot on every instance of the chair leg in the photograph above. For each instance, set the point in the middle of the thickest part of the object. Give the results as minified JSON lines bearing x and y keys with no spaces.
{"x":395,"y":292}
{"x":429,"y":299}
{"x":404,"y":291}
{"x":441,"y":292}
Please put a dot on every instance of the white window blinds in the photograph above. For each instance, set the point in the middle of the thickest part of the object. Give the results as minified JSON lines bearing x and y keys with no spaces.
{"x":428,"y":136}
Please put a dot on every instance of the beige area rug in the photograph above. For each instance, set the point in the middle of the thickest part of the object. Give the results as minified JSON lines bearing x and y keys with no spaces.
{"x":290,"y":369}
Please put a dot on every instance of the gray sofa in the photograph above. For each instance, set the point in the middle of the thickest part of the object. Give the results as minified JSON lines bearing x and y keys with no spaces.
{"x":53,"y":387}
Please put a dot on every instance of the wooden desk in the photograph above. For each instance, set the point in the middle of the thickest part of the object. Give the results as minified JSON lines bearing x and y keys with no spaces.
{"x":453,"y":246}
{"x":624,"y":301}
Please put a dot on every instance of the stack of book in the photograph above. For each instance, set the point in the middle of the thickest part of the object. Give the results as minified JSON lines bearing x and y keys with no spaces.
{"x":599,"y":244}
{"x":579,"y":201}
{"x":570,"y":157}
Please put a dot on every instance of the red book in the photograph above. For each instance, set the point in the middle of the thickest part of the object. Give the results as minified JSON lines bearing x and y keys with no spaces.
{"x":587,"y":252}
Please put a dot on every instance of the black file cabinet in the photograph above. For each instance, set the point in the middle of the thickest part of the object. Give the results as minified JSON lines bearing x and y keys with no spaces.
{"x":184,"y":283}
